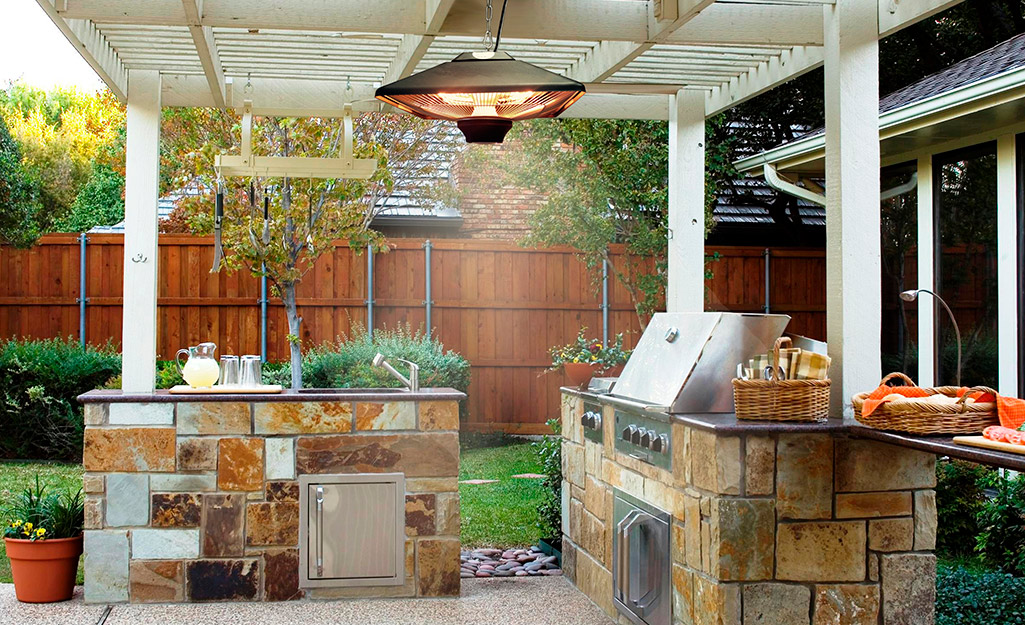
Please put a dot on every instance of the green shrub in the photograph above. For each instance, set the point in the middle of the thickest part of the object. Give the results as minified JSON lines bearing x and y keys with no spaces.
{"x":959,"y":500}
{"x":964,"y":596}
{"x":99,"y":203}
{"x":40,"y":417}
{"x":1001,"y":539}
{"x":168,"y":374}
{"x":549,"y":454}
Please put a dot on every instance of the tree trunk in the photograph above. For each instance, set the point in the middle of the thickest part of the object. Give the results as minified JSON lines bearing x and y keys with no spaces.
{"x":294,"y":323}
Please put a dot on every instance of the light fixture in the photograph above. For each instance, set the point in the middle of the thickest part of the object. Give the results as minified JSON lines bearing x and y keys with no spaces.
{"x":483,"y":92}
{"x":912,"y":295}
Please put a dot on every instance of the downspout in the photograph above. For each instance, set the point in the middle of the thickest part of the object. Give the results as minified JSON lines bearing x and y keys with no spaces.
{"x":605,"y":302}
{"x":370,"y":292}
{"x":82,"y":299}
{"x":427,"y":286}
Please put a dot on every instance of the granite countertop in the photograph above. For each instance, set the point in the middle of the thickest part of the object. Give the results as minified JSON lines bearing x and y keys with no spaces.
{"x":288,"y":395}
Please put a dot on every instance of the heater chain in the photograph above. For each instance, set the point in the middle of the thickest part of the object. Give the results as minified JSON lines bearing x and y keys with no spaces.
{"x":489,"y":40}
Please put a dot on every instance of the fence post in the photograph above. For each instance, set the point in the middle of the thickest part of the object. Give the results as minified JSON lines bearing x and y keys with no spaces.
{"x":604,"y":301}
{"x":428,"y":302}
{"x":82,"y":299}
{"x":370,"y":291}
{"x":263,"y":312}
{"x":767,"y":281}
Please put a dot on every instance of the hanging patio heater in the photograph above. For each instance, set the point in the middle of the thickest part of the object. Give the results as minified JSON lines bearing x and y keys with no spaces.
{"x":484,"y":92}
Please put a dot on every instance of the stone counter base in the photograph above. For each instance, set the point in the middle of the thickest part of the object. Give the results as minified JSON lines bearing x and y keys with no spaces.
{"x":779,"y":529}
{"x":195,"y":501}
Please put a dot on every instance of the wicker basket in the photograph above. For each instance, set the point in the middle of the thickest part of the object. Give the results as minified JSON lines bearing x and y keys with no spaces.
{"x":781,"y":400}
{"x":922,"y":418}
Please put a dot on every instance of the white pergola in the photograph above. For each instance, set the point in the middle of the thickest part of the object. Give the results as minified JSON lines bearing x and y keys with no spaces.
{"x":675,"y":60}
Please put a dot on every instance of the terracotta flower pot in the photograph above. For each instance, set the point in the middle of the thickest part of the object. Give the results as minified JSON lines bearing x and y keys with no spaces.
{"x":613,"y":372}
{"x":579,"y":373}
{"x":44,"y":571}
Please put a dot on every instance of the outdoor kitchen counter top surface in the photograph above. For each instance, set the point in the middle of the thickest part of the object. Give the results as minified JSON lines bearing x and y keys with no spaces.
{"x":288,"y":395}
{"x":939,"y":445}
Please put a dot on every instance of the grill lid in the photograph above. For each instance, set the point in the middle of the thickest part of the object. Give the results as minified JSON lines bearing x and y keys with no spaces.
{"x":684,"y":362}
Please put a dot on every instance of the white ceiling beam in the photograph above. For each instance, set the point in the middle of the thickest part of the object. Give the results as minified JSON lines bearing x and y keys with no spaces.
{"x":897,"y":14}
{"x":763,"y":25}
{"x":203,"y":38}
{"x":93,"y":47}
{"x":765,"y":76}
{"x":414,"y":47}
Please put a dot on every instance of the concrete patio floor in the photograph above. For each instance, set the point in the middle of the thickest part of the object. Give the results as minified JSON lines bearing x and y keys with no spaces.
{"x":512,"y":601}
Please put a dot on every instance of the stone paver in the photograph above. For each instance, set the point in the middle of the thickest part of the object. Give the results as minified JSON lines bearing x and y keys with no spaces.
{"x":477,"y":482}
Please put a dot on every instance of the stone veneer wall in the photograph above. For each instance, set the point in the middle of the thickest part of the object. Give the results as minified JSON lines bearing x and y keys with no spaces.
{"x":779,"y":529}
{"x":198,"y":501}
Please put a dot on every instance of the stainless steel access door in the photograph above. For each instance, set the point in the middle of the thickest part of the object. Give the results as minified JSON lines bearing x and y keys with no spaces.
{"x":641,"y":561}
{"x":352,"y":530}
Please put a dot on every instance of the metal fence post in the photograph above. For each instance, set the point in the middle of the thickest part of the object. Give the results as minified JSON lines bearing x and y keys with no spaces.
{"x":766,"y":307}
{"x":82,"y":299}
{"x":370,"y":291}
{"x":428,"y":302}
{"x":263,"y":312}
{"x":604,"y":301}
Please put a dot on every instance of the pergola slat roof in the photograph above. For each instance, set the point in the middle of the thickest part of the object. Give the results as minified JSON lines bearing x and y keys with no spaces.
{"x":311,"y":57}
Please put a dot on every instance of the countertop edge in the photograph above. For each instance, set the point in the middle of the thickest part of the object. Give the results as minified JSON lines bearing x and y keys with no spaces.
{"x":162,"y":396}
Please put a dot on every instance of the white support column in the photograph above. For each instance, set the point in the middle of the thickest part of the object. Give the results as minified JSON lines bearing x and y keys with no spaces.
{"x":926,"y":274}
{"x":142,"y":186}
{"x":1007,"y":265}
{"x":853,"y":264}
{"x":685,"y":290}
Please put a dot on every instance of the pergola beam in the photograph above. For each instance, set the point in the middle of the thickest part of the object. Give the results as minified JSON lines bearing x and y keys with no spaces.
{"x":765,"y":76}
{"x":894,"y":16}
{"x":93,"y":47}
{"x":414,"y":47}
{"x":203,"y":38}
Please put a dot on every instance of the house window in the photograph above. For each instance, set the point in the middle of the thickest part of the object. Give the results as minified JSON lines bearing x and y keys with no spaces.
{"x":1020,"y":185}
{"x":965,"y":214}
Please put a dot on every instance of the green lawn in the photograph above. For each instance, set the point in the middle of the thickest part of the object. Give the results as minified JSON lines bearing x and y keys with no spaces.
{"x":503,"y":514}
{"x":16,"y":476}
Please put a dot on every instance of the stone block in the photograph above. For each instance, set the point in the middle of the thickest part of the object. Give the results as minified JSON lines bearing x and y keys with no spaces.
{"x":873,"y":567}
{"x":625,"y":480}
{"x":432,"y":484}
{"x":776,"y":604}
{"x":447,"y":514}
{"x":925,"y":520}
{"x":439,"y":415}
{"x":183,"y":482}
{"x":683,"y":595}
{"x":594,"y":496}
{"x":140,"y":414}
{"x":223,"y":525}
{"x":804,"y":476}
{"x":279,"y":458}
{"x":302,"y":417}
{"x":165,"y":544}
{"x":692,"y":530}
{"x":197,"y":454}
{"x":421,"y":515}
{"x":128,"y":449}
{"x":592,"y":535}
{"x":681,"y":454}
{"x":282,"y":491}
{"x":569,"y":559}
{"x":281,"y":575}
{"x":427,"y":454}
{"x":592,"y":458}
{"x":908,"y":583}
{"x":92,"y":484}
{"x":438,"y":564}
{"x":576,"y":510}
{"x":564,"y":495}
{"x":742,"y":539}
{"x":595,"y":581}
{"x":864,"y":465}
{"x":106,"y":566}
{"x":223,"y":580}
{"x":240,"y":464}
{"x":715,"y":462}
{"x":157,"y":581}
{"x":573,"y":463}
{"x":95,"y":414}
{"x":821,"y":551}
{"x":846,"y":604}
{"x":272,"y":524}
{"x":678,"y":541}
{"x":92,"y":513}
{"x":127,"y":499}
{"x":891,"y":534}
{"x":706,"y":545}
{"x":399,"y":415}
{"x":716,"y":604}
{"x":214,"y":418}
{"x":872,"y":505}
{"x":175,"y":510}
{"x":759,"y":465}
{"x":572,"y":410}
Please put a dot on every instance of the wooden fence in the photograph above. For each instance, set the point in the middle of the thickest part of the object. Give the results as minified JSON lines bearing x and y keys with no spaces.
{"x":500,"y":305}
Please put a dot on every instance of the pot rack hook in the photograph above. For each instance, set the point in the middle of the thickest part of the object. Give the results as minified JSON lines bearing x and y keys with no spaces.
{"x":248,"y":89}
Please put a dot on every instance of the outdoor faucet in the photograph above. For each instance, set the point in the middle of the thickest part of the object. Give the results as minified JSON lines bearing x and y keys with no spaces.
{"x":412,"y":383}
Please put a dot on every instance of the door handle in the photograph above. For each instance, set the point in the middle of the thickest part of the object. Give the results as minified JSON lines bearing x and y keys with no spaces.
{"x":653,"y":568}
{"x":635,"y":517}
{"x":624,"y":549}
{"x":320,"y":531}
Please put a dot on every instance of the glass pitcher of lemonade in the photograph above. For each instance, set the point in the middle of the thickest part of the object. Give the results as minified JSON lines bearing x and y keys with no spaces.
{"x":201,"y":369}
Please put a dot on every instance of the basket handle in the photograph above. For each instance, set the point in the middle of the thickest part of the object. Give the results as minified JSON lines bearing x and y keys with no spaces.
{"x":975,"y":389}
{"x":899,"y":376}
{"x":780,"y":342}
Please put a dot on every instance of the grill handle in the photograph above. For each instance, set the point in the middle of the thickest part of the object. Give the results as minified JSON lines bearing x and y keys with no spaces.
{"x":320,"y":531}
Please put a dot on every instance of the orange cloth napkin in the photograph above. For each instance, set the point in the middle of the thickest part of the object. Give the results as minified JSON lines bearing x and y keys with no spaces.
{"x":1011,"y":410}
{"x":875,"y":398}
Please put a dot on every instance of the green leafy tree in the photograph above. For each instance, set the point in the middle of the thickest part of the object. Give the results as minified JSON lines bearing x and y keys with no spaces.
{"x":101,"y":202}
{"x":19,"y":202}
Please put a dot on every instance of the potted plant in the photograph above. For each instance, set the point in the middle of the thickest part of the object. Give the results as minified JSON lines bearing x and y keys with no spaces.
{"x":43,"y":536}
{"x":585,"y":357}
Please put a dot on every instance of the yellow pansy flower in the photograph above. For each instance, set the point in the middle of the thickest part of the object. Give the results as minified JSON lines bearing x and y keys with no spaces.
{"x":40,"y":532}
{"x":27,"y":527}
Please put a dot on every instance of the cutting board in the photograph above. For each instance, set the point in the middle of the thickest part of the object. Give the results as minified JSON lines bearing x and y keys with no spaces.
{"x":985,"y":443}
{"x":183,"y":389}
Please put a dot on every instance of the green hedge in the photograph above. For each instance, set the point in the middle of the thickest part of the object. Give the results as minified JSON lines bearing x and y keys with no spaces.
{"x":40,"y":379}
{"x":966,"y":596}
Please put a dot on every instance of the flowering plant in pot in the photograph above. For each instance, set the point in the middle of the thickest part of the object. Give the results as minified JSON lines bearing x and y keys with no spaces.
{"x":43,"y":537}
{"x":586,"y":357}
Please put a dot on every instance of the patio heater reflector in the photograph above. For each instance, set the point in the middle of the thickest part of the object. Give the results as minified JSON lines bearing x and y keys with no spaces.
{"x":483,"y":92}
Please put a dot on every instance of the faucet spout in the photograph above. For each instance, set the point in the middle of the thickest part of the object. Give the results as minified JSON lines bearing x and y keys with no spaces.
{"x":412,"y":383}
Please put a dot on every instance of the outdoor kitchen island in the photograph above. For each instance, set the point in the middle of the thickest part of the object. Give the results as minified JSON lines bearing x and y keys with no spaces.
{"x":243,"y":497}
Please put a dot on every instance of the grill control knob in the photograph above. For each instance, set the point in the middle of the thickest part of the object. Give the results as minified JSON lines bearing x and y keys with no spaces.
{"x":595,"y":421}
{"x":647,"y":436}
{"x":635,"y":436}
{"x":628,"y":433}
{"x":660,"y":444}
{"x":585,"y":419}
